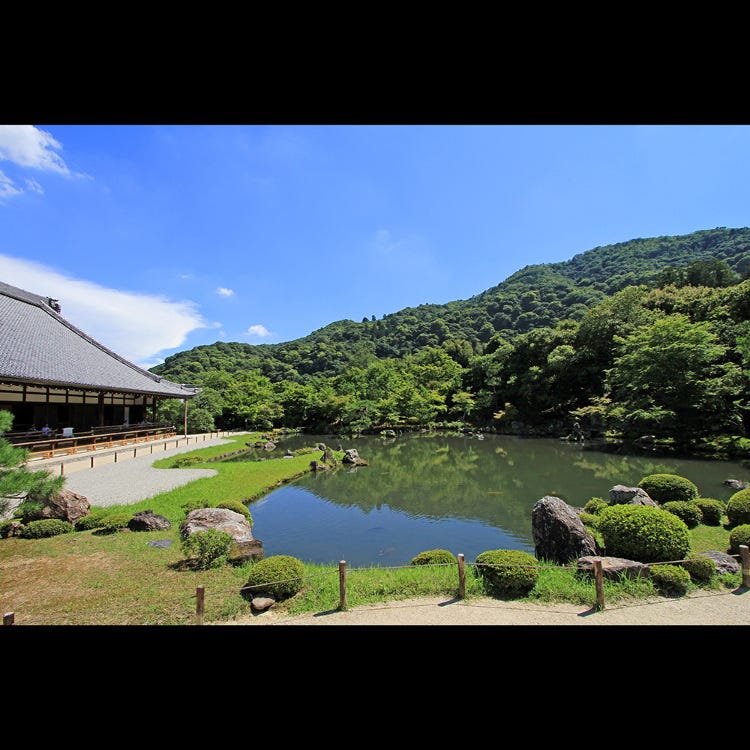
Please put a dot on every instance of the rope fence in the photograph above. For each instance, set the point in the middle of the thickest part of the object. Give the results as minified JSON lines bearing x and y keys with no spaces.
{"x":200,"y":592}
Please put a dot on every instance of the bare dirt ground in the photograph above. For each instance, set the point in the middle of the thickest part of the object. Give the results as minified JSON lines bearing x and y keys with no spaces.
{"x":722,"y":608}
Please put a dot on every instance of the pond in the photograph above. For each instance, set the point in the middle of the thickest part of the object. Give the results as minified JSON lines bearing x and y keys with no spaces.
{"x":439,"y":491}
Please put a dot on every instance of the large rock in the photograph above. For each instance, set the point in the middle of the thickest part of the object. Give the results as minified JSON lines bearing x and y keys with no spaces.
{"x":65,"y":505}
{"x":241,"y":552}
{"x":736,"y":484}
{"x":724,"y":563}
{"x":351,"y":456}
{"x":221,"y":519}
{"x":622,"y":495}
{"x":559,"y":534}
{"x":613,"y":567}
{"x":147,"y":520}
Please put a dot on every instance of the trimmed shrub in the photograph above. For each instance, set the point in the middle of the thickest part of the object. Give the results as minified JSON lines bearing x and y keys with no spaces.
{"x":510,"y":572}
{"x":46,"y":527}
{"x":91,"y":521}
{"x":688,"y":512}
{"x":114,"y":522}
{"x":738,"y":508}
{"x":278,"y":576}
{"x":237,"y":507}
{"x":662,"y":488}
{"x":700,"y":568}
{"x":182,"y":462}
{"x":434,"y":557}
{"x":643,"y":533}
{"x":209,"y":548}
{"x":737,"y":536}
{"x":594,"y":505}
{"x":589,"y":519}
{"x":670,"y":580}
{"x":712,"y":510}
{"x":195,"y":505}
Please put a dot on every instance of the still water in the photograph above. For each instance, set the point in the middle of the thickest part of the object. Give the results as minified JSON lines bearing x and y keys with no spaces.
{"x":430,"y":491}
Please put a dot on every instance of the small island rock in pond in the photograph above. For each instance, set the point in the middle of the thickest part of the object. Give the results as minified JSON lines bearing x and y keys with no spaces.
{"x":351,"y":456}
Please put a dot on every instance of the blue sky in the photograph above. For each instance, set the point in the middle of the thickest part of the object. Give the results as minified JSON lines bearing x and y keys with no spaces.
{"x":159,"y":238}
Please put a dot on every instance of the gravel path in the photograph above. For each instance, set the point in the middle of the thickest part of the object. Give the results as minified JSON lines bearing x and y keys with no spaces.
{"x":131,"y":480}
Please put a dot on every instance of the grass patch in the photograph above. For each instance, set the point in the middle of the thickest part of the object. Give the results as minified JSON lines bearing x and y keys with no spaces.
{"x":82,"y":578}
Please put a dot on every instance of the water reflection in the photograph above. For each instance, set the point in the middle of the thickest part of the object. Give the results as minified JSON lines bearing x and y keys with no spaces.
{"x":432,"y":491}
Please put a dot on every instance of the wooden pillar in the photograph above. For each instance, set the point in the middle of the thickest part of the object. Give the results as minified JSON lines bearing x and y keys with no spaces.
{"x":599,"y":584}
{"x":461,"y":577}
{"x":342,"y":585}
{"x":184,"y":416}
{"x":200,"y":605}
{"x":745,"y":558}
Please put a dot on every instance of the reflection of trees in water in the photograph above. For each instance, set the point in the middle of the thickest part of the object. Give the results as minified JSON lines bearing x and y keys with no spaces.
{"x":495,"y":481}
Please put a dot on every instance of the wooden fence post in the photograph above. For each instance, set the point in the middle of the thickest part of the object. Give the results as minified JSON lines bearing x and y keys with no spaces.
{"x":62,"y":468}
{"x":115,"y":456}
{"x":92,"y":462}
{"x":200,"y":604}
{"x":461,"y":577}
{"x":9,"y":618}
{"x":599,"y":584}
{"x":342,"y":585}
{"x":745,"y":557}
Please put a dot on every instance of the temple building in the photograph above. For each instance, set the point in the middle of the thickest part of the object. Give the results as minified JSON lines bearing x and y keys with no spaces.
{"x":54,"y":375}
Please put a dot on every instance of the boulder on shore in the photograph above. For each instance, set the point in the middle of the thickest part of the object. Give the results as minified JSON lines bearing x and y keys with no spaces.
{"x":559,"y":534}
{"x":221,"y":519}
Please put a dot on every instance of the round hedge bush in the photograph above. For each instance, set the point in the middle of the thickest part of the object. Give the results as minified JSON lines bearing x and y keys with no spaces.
{"x":738,"y":508}
{"x":278,"y":576}
{"x":700,"y":568}
{"x":688,"y":512}
{"x":594,"y":505}
{"x":434,"y":557}
{"x":589,"y":519}
{"x":712,"y":510}
{"x":208,"y":548}
{"x":737,"y":536}
{"x":670,"y":580}
{"x":643,"y":533}
{"x":46,"y":527}
{"x":92,"y":520}
{"x":515,"y":575}
{"x":662,"y":488}
{"x":114,"y":522}
{"x":237,"y":507}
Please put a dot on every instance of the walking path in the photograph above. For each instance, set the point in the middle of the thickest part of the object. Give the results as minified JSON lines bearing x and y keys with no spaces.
{"x":125,"y":475}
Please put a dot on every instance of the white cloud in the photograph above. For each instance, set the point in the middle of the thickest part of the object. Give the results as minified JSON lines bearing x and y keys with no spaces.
{"x":29,"y":146}
{"x":122,"y":321}
{"x":34,"y":185}
{"x":222,"y":291}
{"x":185,"y":276}
{"x":258,"y":330}
{"x":7,"y":186}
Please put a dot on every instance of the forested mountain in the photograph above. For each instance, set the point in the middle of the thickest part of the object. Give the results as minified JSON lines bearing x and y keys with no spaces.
{"x":533,"y":350}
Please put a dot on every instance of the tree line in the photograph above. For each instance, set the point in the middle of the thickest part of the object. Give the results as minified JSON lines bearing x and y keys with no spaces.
{"x":649,"y":337}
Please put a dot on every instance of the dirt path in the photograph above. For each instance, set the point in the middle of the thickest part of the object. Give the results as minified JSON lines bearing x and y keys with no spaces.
{"x":722,"y":608}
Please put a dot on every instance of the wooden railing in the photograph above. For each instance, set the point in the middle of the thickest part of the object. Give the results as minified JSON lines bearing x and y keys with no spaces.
{"x":48,"y":447}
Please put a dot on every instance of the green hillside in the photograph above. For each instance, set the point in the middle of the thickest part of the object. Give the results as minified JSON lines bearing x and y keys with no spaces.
{"x":520,"y":356}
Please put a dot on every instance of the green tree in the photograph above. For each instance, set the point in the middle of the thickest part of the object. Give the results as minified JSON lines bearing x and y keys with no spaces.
{"x":672,"y":378}
{"x":16,"y":480}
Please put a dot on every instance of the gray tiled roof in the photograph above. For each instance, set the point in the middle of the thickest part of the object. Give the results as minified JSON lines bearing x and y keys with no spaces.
{"x":38,"y":345}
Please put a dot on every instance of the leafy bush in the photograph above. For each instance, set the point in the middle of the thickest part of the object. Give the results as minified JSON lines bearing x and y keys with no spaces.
{"x":278,"y":576}
{"x":688,"y":512}
{"x":712,"y":510}
{"x":507,"y":572}
{"x":114,"y":522}
{"x":237,"y":507}
{"x":700,"y":568}
{"x":589,"y":519}
{"x":594,"y":505}
{"x":209,"y":548}
{"x":182,"y":462}
{"x":737,"y":536}
{"x":28,"y":510}
{"x":665,"y":487}
{"x":195,"y":505}
{"x":434,"y":557}
{"x":670,"y":580}
{"x":738,"y":508}
{"x":47,"y":527}
{"x":91,"y":521}
{"x":643,"y":533}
